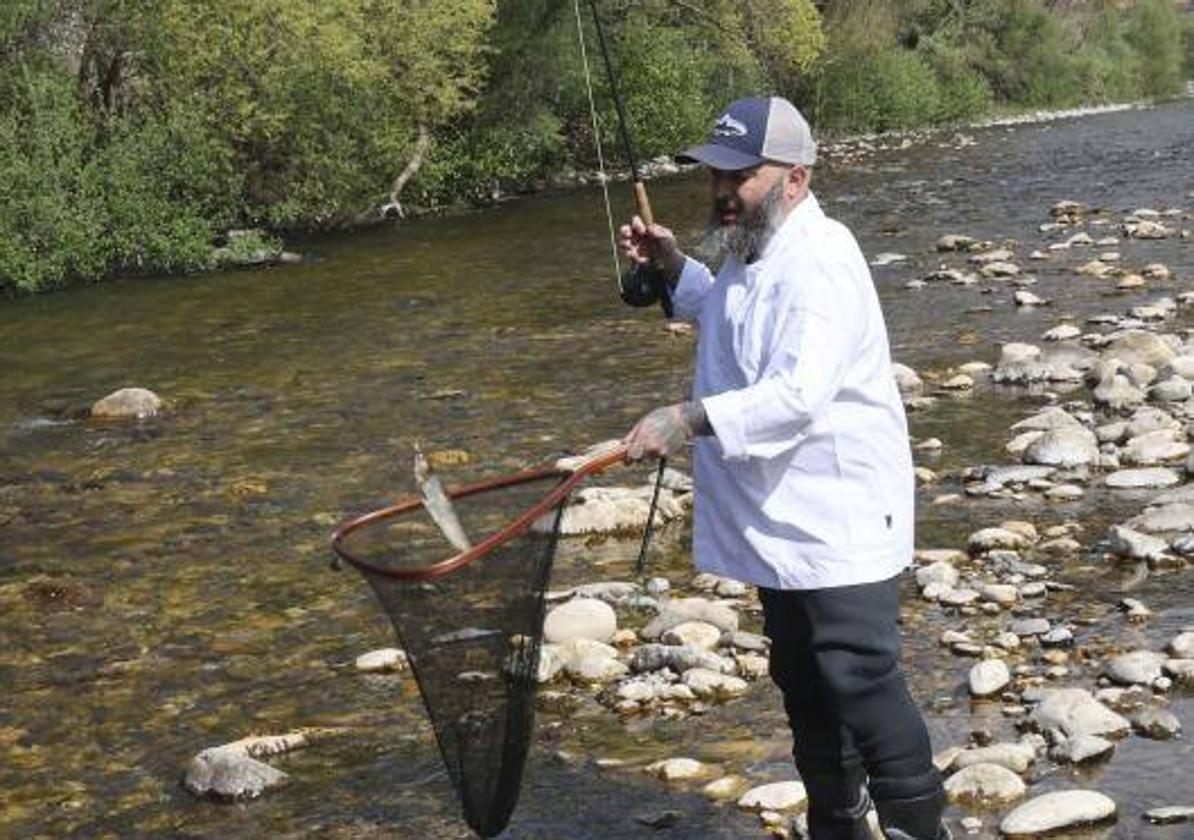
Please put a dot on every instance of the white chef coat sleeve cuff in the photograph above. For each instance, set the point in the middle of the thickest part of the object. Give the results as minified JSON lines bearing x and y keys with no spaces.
{"x":725,"y":416}
{"x":695,"y":280}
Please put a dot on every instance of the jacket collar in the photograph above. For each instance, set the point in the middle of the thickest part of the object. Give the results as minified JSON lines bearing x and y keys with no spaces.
{"x":797,"y":222}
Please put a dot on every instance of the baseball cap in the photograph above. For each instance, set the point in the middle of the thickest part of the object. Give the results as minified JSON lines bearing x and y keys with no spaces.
{"x":755,"y":130}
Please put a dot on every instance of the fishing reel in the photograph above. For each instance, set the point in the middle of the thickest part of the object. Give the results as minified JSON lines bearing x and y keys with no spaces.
{"x":644,"y":285}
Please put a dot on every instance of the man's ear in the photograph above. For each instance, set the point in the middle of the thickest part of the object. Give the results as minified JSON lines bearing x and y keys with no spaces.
{"x":796,"y":181}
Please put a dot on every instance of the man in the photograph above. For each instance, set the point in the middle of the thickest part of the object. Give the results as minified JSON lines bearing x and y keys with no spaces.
{"x":803,"y":472}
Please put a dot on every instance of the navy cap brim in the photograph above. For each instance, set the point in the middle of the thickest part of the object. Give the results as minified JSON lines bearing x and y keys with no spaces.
{"x":719,"y":157}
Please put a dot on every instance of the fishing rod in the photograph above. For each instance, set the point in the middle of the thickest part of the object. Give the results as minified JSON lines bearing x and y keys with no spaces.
{"x":639,"y":285}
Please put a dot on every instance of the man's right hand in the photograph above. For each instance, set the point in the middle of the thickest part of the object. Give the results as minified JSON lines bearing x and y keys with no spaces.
{"x":654,"y":244}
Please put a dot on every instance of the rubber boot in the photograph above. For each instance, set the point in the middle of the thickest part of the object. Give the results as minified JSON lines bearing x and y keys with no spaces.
{"x":838,"y":807}
{"x":914,"y":819}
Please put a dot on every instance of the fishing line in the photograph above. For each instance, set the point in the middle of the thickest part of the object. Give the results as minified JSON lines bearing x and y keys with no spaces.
{"x":609,"y":213}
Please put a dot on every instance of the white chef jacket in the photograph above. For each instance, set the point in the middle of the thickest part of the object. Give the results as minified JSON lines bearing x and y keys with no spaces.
{"x":808,"y":480}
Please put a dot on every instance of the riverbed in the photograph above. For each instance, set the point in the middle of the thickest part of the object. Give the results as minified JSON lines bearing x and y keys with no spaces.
{"x":165,"y":586}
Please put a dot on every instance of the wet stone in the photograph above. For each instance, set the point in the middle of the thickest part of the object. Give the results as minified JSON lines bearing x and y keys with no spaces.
{"x":1170,"y":814}
{"x":1058,"y":810}
{"x":1082,"y":748}
{"x":1139,"y":667}
{"x":1182,"y":645}
{"x":776,"y":796}
{"x":229,"y":773}
{"x":1030,"y":626}
{"x":1158,"y":724}
{"x":984,"y":784}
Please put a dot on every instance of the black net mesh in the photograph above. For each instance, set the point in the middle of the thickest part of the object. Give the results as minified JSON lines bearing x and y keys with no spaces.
{"x":472,"y":635}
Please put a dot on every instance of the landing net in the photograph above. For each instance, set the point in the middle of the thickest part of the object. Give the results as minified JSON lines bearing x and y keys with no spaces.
{"x":471,"y":622}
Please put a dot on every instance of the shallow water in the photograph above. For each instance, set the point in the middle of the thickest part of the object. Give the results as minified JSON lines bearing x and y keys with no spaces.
{"x":164,"y":586}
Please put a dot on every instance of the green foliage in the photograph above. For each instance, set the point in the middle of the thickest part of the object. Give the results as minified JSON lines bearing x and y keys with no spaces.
{"x":1154,"y":30}
{"x":135,"y":132}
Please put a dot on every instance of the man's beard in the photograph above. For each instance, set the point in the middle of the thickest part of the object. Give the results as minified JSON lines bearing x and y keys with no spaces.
{"x":747,"y":237}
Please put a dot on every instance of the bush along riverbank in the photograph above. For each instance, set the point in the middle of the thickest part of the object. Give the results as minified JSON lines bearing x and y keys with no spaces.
{"x":137,"y":141}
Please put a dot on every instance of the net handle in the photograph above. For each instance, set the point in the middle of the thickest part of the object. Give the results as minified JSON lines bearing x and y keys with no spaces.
{"x":577,"y":472}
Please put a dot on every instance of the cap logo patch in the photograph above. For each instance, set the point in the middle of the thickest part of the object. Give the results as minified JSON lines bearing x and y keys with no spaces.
{"x":727,"y":126}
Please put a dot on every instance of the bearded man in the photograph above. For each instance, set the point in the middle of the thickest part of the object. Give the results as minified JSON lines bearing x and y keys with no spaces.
{"x":804,"y":482}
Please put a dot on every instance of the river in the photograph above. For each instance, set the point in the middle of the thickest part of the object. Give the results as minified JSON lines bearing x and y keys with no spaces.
{"x":164,"y":585}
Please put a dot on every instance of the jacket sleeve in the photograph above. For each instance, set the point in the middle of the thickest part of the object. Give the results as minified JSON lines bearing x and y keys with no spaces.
{"x":809,"y":344}
{"x":689,"y":293}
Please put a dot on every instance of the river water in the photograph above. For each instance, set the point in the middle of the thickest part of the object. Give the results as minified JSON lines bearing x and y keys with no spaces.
{"x":164,"y":585}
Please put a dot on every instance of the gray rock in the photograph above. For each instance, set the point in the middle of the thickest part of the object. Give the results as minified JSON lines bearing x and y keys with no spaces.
{"x":749,"y":641}
{"x":1117,"y":393}
{"x":383,"y":660}
{"x":940,"y":573}
{"x":777,"y":796}
{"x":1058,"y":810}
{"x":1073,"y":711}
{"x":1030,"y":626}
{"x":1158,"y":724}
{"x":1134,"y":545}
{"x":1063,"y":448}
{"x":1154,"y":448}
{"x":678,"y":658}
{"x":1140,"y":346}
{"x":989,"y":539}
{"x":135,"y":403}
{"x":1048,"y":419}
{"x":711,"y":685}
{"x":697,"y":634}
{"x":1016,"y":757}
{"x":1167,"y":518}
{"x":229,"y":773}
{"x":691,"y":609}
{"x":989,"y":677}
{"x":984,"y":784}
{"x":1181,"y":670}
{"x":581,"y":618}
{"x":1173,"y":389}
{"x":1182,"y":645}
{"x":1082,"y":748}
{"x":1153,"y":477}
{"x":1170,"y":814}
{"x":1058,"y":637}
{"x":1140,"y":667}
{"x":907,"y":380}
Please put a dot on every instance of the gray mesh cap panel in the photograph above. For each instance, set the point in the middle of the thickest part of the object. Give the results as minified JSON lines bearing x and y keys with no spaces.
{"x":788,"y":138}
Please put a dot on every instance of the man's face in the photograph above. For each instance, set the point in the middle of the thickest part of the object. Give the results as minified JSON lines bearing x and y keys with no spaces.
{"x":738,"y":194}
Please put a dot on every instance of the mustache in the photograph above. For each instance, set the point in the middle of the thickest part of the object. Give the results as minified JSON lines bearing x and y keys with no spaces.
{"x":726,"y":203}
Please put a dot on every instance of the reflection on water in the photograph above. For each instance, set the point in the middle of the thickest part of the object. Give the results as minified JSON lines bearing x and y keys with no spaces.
{"x":164,"y":585}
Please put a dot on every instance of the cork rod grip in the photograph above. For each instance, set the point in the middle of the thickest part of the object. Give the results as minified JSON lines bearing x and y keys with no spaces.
{"x":643,"y":203}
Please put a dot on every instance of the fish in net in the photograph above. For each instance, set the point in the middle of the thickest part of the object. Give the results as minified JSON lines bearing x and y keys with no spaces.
{"x":470,"y":618}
